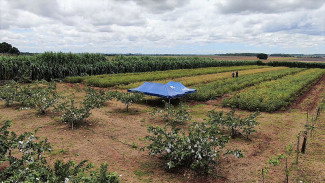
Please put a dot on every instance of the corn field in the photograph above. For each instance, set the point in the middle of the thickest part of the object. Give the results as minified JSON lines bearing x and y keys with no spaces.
{"x":50,"y":65}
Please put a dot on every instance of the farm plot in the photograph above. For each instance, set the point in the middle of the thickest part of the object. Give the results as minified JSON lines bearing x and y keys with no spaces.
{"x":206,"y":78}
{"x":274,"y":95}
{"x":123,"y":79}
{"x":218,"y":88}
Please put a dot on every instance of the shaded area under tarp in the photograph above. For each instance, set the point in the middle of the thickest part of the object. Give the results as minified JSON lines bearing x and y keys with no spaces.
{"x":169,"y":91}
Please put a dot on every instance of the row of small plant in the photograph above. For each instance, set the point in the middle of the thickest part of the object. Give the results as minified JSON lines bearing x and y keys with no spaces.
{"x":23,"y":159}
{"x":40,"y":95}
{"x":201,"y":147}
{"x":43,"y":95}
{"x":274,"y":95}
{"x":123,"y":79}
{"x":218,"y":88}
{"x":206,"y":78}
{"x":50,"y":65}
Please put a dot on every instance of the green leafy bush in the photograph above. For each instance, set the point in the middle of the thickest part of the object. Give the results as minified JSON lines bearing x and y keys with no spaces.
{"x":40,"y":96}
{"x":95,"y":98}
{"x":198,"y":150}
{"x":129,"y":98}
{"x":234,"y":124}
{"x":72,"y":114}
{"x":172,"y":115}
{"x":27,"y":163}
{"x":9,"y":92}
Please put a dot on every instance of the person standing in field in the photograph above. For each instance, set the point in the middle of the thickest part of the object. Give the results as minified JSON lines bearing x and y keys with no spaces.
{"x":236,"y":74}
{"x":233,"y":74}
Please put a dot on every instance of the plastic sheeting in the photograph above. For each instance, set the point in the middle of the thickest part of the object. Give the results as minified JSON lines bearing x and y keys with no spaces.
{"x":169,"y":90}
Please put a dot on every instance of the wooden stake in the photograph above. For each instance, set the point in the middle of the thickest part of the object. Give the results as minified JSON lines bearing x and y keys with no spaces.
{"x":298,"y":142}
{"x":304,"y":143}
{"x":287,"y":171}
{"x":263,"y":174}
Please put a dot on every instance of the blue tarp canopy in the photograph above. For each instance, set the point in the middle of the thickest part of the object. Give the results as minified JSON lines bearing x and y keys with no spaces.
{"x":179,"y":87}
{"x":168,"y":91}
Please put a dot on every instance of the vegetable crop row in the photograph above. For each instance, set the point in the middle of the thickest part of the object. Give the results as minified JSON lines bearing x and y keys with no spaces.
{"x":218,"y":88}
{"x":206,"y":78}
{"x":273,"y":95}
{"x":123,"y":79}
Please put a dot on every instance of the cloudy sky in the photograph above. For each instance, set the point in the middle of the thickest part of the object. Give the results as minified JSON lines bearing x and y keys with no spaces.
{"x":164,"y":26}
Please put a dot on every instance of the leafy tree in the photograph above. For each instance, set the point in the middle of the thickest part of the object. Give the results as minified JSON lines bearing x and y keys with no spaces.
{"x":129,"y":98}
{"x":5,"y":47}
{"x":172,"y":115}
{"x":27,"y":163}
{"x":234,"y":124}
{"x":95,"y":98}
{"x":9,"y":92}
{"x":198,"y":150}
{"x":72,"y":114}
{"x":262,"y":56}
{"x":14,"y":50}
{"x":41,"y":96}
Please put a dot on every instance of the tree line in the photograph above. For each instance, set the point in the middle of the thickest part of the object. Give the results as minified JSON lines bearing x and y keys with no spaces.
{"x":8,"y":49}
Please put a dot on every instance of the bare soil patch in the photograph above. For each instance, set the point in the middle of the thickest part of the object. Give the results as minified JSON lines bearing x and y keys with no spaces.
{"x":309,"y":100}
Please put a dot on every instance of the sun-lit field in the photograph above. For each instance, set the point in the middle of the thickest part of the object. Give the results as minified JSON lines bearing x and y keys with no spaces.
{"x":178,"y":91}
{"x":116,"y":135}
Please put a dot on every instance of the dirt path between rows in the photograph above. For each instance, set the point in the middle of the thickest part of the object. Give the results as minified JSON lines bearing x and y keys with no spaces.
{"x":310,"y":99}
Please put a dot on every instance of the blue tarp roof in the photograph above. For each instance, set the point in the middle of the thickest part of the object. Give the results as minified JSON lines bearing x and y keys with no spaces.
{"x":168,"y":91}
{"x":179,"y":87}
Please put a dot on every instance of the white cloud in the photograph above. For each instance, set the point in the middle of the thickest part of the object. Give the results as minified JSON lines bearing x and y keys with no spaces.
{"x":148,"y":26}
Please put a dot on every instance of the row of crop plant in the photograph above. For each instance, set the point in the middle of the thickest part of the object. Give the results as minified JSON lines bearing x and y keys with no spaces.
{"x":127,"y":78}
{"x":218,"y":88}
{"x":273,"y":95}
{"x":205,"y":78}
{"x":52,"y":65}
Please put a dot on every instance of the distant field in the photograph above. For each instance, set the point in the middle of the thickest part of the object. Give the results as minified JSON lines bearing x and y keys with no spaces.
{"x":110,"y":80}
{"x":248,"y":58}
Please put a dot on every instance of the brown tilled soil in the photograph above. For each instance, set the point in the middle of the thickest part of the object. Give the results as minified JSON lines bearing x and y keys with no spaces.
{"x":310,"y":99}
{"x":115,"y":136}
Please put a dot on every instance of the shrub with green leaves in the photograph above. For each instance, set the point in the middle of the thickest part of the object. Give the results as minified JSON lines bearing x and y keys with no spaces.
{"x":27,"y":163}
{"x":234,"y":124}
{"x":40,"y":96}
{"x":72,"y":114}
{"x":9,"y":92}
{"x":172,"y":115}
{"x":95,"y":98}
{"x":198,"y":150}
{"x":278,"y":159}
{"x":129,"y":98}
{"x":110,"y":94}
